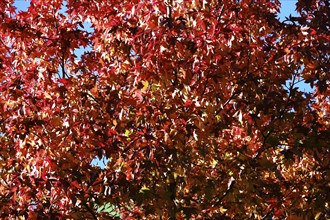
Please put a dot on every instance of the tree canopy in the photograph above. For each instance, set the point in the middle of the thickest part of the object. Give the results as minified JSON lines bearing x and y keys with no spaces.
{"x":193,"y":103}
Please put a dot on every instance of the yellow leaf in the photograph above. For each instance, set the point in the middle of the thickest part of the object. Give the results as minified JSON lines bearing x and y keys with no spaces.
{"x":317,"y":216}
{"x":222,"y":210}
{"x":28,"y":168}
{"x":145,"y":86}
{"x":143,"y":189}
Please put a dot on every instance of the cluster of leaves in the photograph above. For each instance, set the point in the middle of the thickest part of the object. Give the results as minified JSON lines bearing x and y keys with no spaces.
{"x":194,"y":103}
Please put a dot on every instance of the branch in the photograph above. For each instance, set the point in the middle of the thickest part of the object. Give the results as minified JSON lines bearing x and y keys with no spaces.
{"x":172,"y":189}
{"x":227,"y":102}
{"x":263,"y":148}
{"x":221,"y":11}
{"x":231,"y":184}
{"x":95,"y":100}
{"x":64,"y":74}
{"x":274,"y":118}
{"x":90,"y":210}
{"x":169,"y":13}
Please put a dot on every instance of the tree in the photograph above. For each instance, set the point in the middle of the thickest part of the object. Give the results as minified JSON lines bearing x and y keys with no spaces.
{"x":194,"y":103}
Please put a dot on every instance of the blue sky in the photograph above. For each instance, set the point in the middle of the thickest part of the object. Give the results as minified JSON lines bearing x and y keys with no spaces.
{"x":287,"y":7}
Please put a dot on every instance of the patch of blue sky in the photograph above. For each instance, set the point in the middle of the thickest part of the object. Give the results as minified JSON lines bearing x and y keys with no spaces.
{"x":100,"y":162}
{"x":288,"y":7}
{"x":81,"y":50}
{"x":22,"y":5}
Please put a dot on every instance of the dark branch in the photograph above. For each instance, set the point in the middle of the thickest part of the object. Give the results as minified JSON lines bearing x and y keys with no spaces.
{"x":90,"y":210}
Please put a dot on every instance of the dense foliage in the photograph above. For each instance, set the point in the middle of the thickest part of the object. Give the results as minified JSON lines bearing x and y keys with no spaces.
{"x":193,"y":103}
